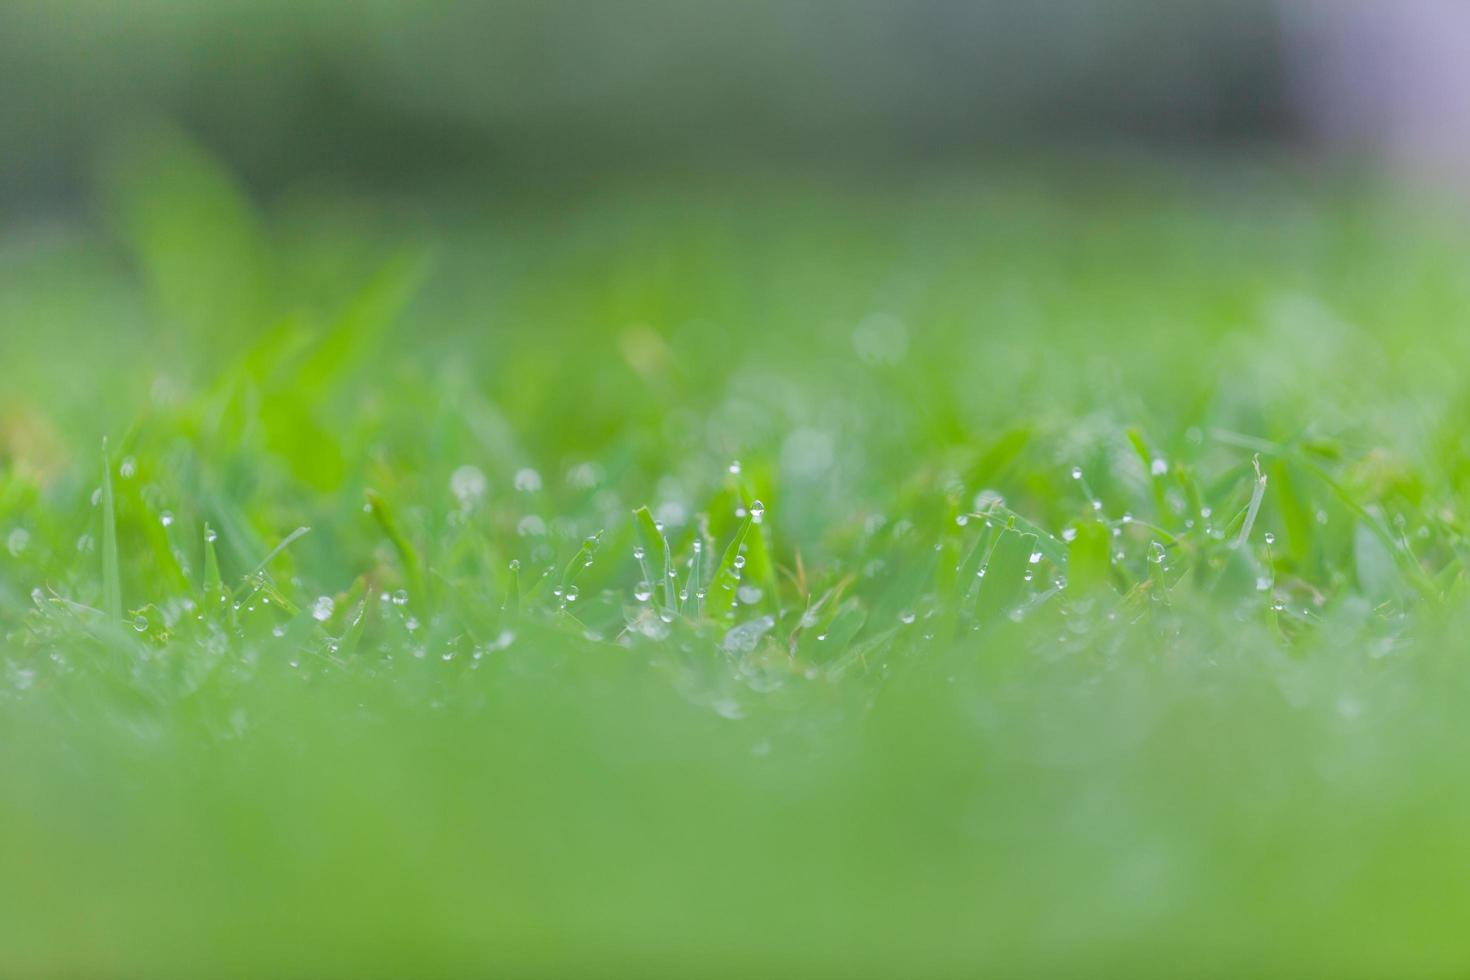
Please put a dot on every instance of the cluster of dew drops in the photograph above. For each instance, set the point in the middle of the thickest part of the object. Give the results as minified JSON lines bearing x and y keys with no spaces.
{"x":645,"y":590}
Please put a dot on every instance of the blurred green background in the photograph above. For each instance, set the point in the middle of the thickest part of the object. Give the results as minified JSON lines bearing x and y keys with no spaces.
{"x":520,"y":268}
{"x":398,"y":90}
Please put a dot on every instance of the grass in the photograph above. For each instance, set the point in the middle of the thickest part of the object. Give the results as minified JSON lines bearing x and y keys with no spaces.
{"x":1088,"y":596}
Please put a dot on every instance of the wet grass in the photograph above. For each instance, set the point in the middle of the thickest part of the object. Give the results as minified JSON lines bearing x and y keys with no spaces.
{"x":989,"y":576}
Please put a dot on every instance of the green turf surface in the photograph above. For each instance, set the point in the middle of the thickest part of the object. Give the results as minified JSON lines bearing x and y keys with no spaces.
{"x":1103,"y":611}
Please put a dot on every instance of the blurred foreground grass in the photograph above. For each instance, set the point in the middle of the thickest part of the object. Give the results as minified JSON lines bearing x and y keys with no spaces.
{"x":1102,"y":613}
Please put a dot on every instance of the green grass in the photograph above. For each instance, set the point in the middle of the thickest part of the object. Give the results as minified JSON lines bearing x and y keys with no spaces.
{"x":544,"y":692}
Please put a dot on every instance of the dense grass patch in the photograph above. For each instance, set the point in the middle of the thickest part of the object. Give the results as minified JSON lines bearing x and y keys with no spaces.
{"x":1010,"y":576}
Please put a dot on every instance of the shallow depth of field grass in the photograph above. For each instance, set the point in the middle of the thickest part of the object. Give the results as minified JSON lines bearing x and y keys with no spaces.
{"x":1042,"y":575}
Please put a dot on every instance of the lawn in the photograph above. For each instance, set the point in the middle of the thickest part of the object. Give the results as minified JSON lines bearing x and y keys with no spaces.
{"x":1020,"y":572}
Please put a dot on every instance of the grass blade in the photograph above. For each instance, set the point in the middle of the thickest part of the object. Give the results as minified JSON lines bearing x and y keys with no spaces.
{"x":726,"y":578}
{"x":413,"y":566}
{"x":1004,"y":575}
{"x":579,"y":562}
{"x":111,"y":573}
{"x":213,"y":584}
{"x":512,"y":604}
{"x":1257,"y":493}
{"x":656,"y":546}
{"x":285,"y":543}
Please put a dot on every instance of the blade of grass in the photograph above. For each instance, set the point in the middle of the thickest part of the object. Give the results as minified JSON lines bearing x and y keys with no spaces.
{"x":111,"y":574}
{"x":580,"y":561}
{"x":1053,"y":548}
{"x":656,"y":545}
{"x":213,"y":584}
{"x":1258,"y":492}
{"x":413,"y":567}
{"x":352,"y":639}
{"x":512,"y":605}
{"x":1004,"y":575}
{"x":690,"y":596}
{"x":285,"y":543}
{"x":726,"y":580}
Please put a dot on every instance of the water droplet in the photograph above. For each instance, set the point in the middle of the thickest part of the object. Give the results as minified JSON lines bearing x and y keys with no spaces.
{"x":1270,"y":538}
{"x":515,"y":564}
{"x":166,"y":518}
{"x":322,"y":609}
{"x":572,"y":593}
{"x":278,"y":632}
{"x":745,"y":637}
{"x":757,"y":511}
{"x":642,"y":591}
{"x":987,"y":500}
{"x":527,"y":480}
{"x":127,"y":468}
{"x":638,"y":553}
{"x":962,"y":519}
{"x":683,"y":595}
{"x":1076,"y":472}
{"x":140,"y":624}
{"x":907,"y":617}
{"x":1159,"y":466}
{"x":412,"y":623}
{"x":738,"y":562}
{"x":17,"y":541}
{"x":1035,"y":558}
{"x":400,"y":598}
{"x":468,"y":484}
{"x":1127,"y":518}
{"x":735,"y":467}
{"x":211,"y":535}
{"x":748,"y":594}
{"x":530,"y":525}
